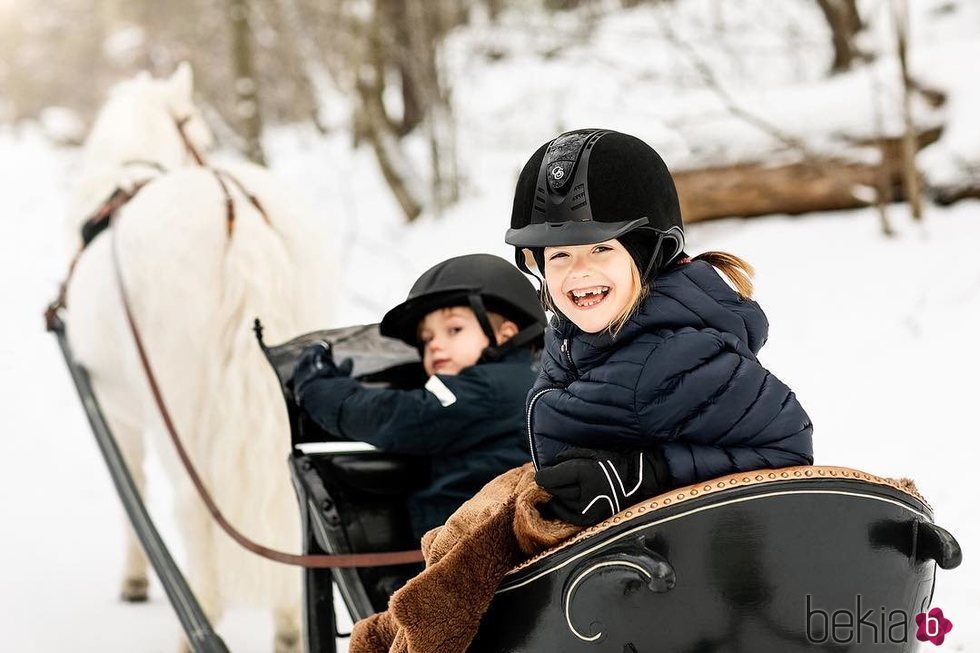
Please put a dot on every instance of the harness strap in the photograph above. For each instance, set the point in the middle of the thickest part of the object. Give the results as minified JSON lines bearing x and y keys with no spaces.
{"x":99,"y":221}
{"x":185,"y":139}
{"x":222,"y":177}
{"x":253,"y":200}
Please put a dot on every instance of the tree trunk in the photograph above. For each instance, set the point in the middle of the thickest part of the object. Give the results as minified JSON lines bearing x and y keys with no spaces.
{"x":399,"y":54}
{"x":426,"y":28}
{"x":247,"y":107}
{"x":375,"y":124}
{"x":844,"y":22}
{"x":913,"y":191}
{"x":392,"y":161}
{"x":319,"y":82}
{"x":853,"y":17}
{"x":494,"y":8}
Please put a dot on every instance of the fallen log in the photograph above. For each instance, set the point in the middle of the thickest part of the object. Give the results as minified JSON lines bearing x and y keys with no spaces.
{"x":758,"y":188}
{"x":946,"y":195}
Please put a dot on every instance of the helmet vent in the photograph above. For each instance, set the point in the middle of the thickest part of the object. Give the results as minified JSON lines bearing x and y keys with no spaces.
{"x":540,"y":200}
{"x":578,"y":197}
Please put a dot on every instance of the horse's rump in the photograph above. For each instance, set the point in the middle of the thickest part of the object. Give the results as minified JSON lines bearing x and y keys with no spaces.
{"x":195,"y":290}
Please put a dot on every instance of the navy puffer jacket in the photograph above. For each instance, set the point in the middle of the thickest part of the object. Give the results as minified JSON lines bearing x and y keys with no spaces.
{"x":682,"y":374}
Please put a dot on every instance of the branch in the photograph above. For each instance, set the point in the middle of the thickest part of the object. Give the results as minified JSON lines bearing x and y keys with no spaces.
{"x":711,"y":81}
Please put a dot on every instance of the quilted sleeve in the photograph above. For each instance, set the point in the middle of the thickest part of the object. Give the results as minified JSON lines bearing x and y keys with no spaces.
{"x":715,"y":410}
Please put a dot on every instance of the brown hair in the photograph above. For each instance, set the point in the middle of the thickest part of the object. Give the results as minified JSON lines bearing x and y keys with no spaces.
{"x":496,"y":319}
{"x":737,"y":269}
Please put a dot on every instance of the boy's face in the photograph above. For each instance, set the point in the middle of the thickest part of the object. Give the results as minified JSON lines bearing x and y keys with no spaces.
{"x":451,"y":340}
{"x":590,"y":284}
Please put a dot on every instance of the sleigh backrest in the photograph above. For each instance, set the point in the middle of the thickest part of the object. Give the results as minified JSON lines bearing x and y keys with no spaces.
{"x":352,"y":497}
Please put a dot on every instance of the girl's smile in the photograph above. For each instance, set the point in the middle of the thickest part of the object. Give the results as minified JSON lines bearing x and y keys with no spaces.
{"x":586,"y":298}
{"x":591,"y":285}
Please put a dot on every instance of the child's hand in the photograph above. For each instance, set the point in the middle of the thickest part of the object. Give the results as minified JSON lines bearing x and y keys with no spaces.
{"x":588,"y":485}
{"x":316,"y":362}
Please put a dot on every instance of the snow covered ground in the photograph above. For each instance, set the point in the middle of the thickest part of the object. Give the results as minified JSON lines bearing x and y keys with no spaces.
{"x":877,"y":336}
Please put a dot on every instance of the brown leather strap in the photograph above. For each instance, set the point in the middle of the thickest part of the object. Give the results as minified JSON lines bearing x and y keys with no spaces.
{"x":116,"y":200}
{"x":338,"y":560}
{"x":185,"y":139}
{"x":229,"y":201}
{"x":221,"y":176}
{"x":248,"y":194}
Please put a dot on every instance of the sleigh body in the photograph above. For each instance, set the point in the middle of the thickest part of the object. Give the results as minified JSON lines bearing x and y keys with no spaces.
{"x":776,"y":560}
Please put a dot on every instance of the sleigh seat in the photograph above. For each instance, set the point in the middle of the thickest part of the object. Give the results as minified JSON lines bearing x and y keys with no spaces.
{"x":351,"y":496}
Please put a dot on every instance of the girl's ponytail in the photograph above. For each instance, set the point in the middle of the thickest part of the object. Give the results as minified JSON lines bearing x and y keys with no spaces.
{"x":738,"y":270}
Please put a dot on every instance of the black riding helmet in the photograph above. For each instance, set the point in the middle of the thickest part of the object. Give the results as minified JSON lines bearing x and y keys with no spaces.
{"x":592,"y":185}
{"x":483,"y":282}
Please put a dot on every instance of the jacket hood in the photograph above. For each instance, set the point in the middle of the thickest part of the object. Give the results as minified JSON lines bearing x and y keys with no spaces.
{"x":691,"y":295}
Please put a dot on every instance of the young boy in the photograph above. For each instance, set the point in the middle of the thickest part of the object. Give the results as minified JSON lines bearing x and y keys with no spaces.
{"x":475,"y":320}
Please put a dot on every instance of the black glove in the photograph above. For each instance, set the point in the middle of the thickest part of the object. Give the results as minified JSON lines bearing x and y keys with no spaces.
{"x":316,"y":362}
{"x":587,"y":485}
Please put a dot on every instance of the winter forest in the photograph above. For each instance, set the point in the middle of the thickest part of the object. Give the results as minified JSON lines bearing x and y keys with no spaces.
{"x":833,"y":144}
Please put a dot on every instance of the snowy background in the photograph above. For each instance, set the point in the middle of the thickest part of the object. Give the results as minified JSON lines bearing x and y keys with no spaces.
{"x":877,"y":336}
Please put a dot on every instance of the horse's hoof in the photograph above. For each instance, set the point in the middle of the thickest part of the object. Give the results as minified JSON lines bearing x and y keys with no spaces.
{"x":135,"y":590}
{"x":287,"y":643}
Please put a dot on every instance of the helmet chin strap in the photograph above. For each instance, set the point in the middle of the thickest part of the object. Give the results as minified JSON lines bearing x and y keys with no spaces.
{"x":480,"y":310}
{"x":653,"y":257}
{"x":676,"y":236}
{"x":496,"y":350}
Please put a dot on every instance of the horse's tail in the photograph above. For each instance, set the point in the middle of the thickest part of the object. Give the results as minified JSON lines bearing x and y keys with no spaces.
{"x":275,"y":267}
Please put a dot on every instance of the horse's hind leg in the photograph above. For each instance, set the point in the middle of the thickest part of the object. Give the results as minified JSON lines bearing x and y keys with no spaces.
{"x":288,"y":636}
{"x":129,"y":437}
{"x":200,"y":533}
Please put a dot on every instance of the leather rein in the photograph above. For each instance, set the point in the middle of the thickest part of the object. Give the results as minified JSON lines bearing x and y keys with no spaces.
{"x":109,"y":211}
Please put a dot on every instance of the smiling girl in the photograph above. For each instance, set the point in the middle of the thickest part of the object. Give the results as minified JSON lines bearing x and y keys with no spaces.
{"x":649,"y":378}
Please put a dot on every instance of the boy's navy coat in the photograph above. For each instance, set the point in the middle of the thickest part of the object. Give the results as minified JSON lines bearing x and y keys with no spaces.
{"x":469,"y":442}
{"x":682,"y":374}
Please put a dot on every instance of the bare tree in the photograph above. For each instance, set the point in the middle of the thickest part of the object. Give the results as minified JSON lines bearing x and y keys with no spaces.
{"x":429,"y":22}
{"x":319,"y":82}
{"x":913,"y":192}
{"x":399,"y":48}
{"x":373,"y":121}
{"x":844,"y":22}
{"x":883,"y":183}
{"x":247,"y":107}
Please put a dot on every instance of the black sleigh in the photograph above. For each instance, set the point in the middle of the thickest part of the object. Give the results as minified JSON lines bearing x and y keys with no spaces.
{"x":807,"y":558}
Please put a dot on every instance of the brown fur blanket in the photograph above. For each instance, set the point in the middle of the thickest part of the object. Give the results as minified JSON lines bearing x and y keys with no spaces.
{"x":439,"y":610}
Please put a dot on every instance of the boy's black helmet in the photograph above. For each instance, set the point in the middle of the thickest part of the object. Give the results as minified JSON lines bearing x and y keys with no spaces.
{"x":591,"y":185}
{"x":482,"y":282}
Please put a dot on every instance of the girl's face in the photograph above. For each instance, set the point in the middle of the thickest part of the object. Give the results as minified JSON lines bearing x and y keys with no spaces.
{"x":590,"y":284}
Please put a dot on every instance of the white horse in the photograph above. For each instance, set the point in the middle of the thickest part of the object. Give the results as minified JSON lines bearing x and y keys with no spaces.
{"x":195,"y":288}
